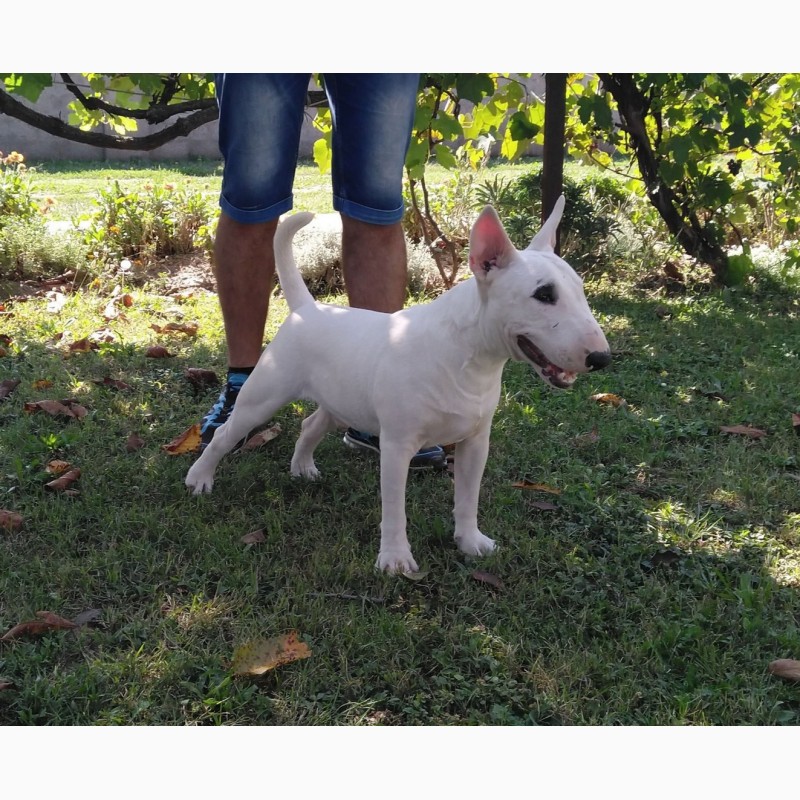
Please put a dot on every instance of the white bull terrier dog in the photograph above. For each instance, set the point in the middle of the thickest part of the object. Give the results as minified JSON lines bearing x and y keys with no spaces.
{"x":427,"y":374}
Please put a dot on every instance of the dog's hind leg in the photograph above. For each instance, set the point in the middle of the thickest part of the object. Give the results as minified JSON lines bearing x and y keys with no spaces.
{"x":313,"y":429}
{"x":470,"y":460}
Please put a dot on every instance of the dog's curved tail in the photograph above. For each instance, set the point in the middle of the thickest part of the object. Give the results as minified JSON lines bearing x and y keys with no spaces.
{"x":294,"y":289}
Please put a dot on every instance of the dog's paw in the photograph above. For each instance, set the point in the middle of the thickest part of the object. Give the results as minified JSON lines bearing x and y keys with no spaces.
{"x":475,"y":544}
{"x":308,"y":471}
{"x":396,"y":562}
{"x":199,"y":484}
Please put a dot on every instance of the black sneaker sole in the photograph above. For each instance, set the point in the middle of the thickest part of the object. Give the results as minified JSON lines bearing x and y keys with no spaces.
{"x":437,"y":461}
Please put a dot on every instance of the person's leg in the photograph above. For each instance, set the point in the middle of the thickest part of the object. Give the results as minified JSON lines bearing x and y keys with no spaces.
{"x":373,"y":115}
{"x":259,"y":134}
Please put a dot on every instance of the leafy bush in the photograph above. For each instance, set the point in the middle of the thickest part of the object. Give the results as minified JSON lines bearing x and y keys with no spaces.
{"x":28,"y":250}
{"x":588,"y":221}
{"x":165,"y":221}
{"x":16,"y":199}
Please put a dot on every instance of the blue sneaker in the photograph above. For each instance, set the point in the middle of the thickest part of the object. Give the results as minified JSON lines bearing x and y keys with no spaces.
{"x":222,"y":409}
{"x":427,"y":458}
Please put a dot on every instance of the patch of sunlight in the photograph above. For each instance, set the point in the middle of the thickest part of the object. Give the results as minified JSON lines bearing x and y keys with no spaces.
{"x":198,"y":612}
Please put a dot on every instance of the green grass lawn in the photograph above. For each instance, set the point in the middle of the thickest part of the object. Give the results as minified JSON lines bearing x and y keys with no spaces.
{"x":655,"y":588}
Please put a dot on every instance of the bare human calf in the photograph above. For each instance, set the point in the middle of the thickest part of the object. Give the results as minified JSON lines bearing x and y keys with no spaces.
{"x":430,"y":373}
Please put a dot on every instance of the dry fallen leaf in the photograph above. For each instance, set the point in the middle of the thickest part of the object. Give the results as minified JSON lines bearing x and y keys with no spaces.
{"x":158,"y":351}
{"x":543,"y":505}
{"x":201,"y":378}
{"x":260,"y":655}
{"x":134,"y":442}
{"x":104,"y":335}
{"x":489,"y":579}
{"x":56,"y":467}
{"x":65,"y":408}
{"x":44,"y":383}
{"x":786,"y":668}
{"x":110,"y":383}
{"x":796,"y":423}
{"x":7,"y":386}
{"x":10,"y":520}
{"x":254,"y":537}
{"x":744,"y":430}
{"x":607,"y":398}
{"x":535,"y":487}
{"x":83,"y":345}
{"x":262,"y":437}
{"x":64,"y":482}
{"x":85,"y":617}
{"x":187,"y":442}
{"x":4,"y":685}
{"x":188,"y":328}
{"x":54,"y":620}
{"x":36,"y":627}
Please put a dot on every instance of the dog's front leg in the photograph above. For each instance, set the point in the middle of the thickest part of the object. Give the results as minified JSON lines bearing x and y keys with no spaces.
{"x":470,"y":459}
{"x":395,"y":553}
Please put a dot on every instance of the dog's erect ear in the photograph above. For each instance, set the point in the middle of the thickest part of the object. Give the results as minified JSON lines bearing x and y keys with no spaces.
{"x":546,"y":238}
{"x":489,"y":245}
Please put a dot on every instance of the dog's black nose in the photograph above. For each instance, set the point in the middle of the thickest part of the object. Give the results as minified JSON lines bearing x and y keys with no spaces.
{"x":599,"y":359}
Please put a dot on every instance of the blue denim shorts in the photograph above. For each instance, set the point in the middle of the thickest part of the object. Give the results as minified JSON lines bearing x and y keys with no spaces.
{"x":260,"y":117}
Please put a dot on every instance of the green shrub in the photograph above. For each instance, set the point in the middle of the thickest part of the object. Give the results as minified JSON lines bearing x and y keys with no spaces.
{"x":589,"y":215}
{"x":164,"y":221}
{"x":16,"y":199}
{"x":28,"y":250}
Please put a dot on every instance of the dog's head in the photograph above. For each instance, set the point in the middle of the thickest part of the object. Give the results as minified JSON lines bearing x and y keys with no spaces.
{"x":537,"y":300}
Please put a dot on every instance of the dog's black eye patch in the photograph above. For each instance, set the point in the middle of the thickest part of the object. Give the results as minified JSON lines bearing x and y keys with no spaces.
{"x":546,"y":294}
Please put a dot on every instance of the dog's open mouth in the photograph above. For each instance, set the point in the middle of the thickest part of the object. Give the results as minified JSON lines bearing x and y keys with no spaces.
{"x":553,"y":374}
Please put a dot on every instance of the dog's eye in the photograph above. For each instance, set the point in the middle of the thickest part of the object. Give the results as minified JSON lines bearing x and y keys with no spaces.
{"x":545,"y":294}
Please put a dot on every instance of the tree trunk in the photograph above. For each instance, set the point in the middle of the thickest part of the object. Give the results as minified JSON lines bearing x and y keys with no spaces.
{"x":684,"y":226}
{"x":555,"y":99}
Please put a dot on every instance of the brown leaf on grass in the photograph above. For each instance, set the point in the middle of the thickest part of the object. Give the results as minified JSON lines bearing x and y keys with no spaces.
{"x":543,"y":505}
{"x":787,"y":668}
{"x":609,"y":399}
{"x":3,"y":352}
{"x":254,"y":537}
{"x":56,"y":467}
{"x":5,"y":685}
{"x":261,"y":655}
{"x":158,"y":351}
{"x":7,"y":387}
{"x":796,"y":423}
{"x":83,"y":345}
{"x":55,"y":621}
{"x":188,"y":328}
{"x":5,"y":339}
{"x":10,"y":520}
{"x":187,"y":442}
{"x":65,"y":482}
{"x":43,"y":383}
{"x":535,"y":487}
{"x":111,"y":383}
{"x":489,"y":579}
{"x":262,"y":437}
{"x":134,"y":442}
{"x":201,"y":378}
{"x":88,"y":616}
{"x":65,"y":408}
{"x":744,"y":430}
{"x":47,"y":621}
